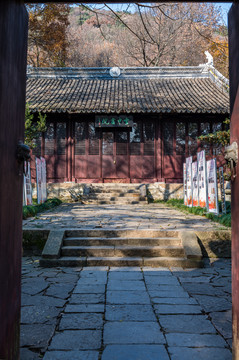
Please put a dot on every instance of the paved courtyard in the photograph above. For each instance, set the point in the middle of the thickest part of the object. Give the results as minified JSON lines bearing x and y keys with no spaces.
{"x":102,"y":313}
{"x":126,"y":313}
{"x":149,"y":216}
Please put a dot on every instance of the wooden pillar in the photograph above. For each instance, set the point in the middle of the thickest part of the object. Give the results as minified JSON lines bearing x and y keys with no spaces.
{"x":234,"y":104}
{"x":13,"y":45}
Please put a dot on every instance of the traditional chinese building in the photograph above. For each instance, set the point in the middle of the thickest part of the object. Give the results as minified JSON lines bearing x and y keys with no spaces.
{"x":125,"y":124}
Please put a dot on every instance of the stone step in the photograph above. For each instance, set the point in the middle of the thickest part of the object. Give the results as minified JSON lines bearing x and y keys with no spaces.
{"x":115,"y":202}
{"x":118,"y":190}
{"x":111,"y":241}
{"x":124,"y":250}
{"x":127,"y":233}
{"x":122,"y":261}
{"x":114,"y":195}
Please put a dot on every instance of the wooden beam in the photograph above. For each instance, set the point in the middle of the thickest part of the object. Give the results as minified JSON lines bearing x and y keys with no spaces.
{"x":13,"y":51}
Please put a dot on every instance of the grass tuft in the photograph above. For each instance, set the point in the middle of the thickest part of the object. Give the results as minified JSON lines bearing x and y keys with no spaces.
{"x":33,"y":210}
{"x":224,"y":219}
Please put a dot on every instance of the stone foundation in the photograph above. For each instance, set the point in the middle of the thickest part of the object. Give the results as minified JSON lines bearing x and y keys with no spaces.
{"x":163,"y":191}
{"x":155,"y":191}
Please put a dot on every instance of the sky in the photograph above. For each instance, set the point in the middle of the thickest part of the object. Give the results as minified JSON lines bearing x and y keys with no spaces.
{"x":224,"y":6}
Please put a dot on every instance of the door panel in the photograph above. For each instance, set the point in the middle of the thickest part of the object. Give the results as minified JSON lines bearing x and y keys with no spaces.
{"x":108,"y":155}
{"x":94,"y":159}
{"x":122,"y":158}
{"x":148,"y":159}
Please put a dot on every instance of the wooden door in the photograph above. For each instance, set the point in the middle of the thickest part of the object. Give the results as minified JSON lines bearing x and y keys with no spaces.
{"x":115,"y":159}
{"x":174,"y":145}
{"x":142,"y":151}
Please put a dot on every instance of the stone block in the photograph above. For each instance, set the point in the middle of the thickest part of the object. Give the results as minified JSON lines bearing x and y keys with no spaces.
{"x":127,"y":297}
{"x":89,"y":289}
{"x":192,"y":324}
{"x":120,"y":285}
{"x":125,"y":276}
{"x":71,"y":355}
{"x":195,"y":340}
{"x":191,"y":245}
{"x":40,"y":314}
{"x":177,"y":309}
{"x":87,"y":299}
{"x":36,"y":336}
{"x":83,"y":321}
{"x":76,"y":340}
{"x":133,"y":333}
{"x":129,"y":313}
{"x":135,"y":352}
{"x":85,"y":308}
{"x":52,"y":248}
{"x":186,"y":353}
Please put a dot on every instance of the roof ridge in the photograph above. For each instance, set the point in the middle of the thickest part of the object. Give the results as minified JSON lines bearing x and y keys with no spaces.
{"x":121,"y":73}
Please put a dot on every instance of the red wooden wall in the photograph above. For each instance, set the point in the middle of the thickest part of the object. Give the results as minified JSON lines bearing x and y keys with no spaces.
{"x":153,"y":150}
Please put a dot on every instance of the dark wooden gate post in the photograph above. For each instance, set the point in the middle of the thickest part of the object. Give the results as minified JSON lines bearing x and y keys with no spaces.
{"x":13,"y":45}
{"x":234,"y":103}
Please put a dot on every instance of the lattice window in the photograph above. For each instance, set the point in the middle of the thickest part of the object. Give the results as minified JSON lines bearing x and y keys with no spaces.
{"x":192,"y":138}
{"x":168,"y":130}
{"x":80,"y":136}
{"x":93,"y":139}
{"x":121,"y":143}
{"x":108,"y":143}
{"x":49,"y":140}
{"x":149,"y":134}
{"x":180,"y":138}
{"x":36,"y":150}
{"x":135,"y":139}
{"x":205,"y":130}
{"x":61,"y":138}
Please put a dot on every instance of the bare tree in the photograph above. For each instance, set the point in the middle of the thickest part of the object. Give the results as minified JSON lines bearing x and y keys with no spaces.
{"x":154,"y":34}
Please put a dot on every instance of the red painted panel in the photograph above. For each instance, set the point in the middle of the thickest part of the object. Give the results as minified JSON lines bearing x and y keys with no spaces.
{"x":60,"y":167}
{"x":170,"y":166}
{"x":81,"y":166}
{"x":136,"y":167}
{"x":50,"y":167}
{"x":33,"y":168}
{"x":108,"y":166}
{"x":93,"y":166}
{"x":122,"y":166}
{"x":148,"y":167}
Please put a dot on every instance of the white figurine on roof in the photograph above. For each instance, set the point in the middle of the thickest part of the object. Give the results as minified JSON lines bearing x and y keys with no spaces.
{"x":209,"y":59}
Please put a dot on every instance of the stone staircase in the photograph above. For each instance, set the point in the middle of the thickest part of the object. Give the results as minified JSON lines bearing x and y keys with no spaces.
{"x":118,"y":248}
{"x":115,"y":193}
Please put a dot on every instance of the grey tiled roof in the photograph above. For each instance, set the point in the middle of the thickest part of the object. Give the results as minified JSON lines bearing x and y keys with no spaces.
{"x":180,"y":92}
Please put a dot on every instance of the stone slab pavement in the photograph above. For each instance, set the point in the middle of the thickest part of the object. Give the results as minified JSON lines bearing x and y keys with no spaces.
{"x":101,"y":313}
{"x":148,"y":216}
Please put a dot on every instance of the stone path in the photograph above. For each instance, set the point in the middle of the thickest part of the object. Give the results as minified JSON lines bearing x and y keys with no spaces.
{"x":126,"y":313}
{"x":153,"y":216}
